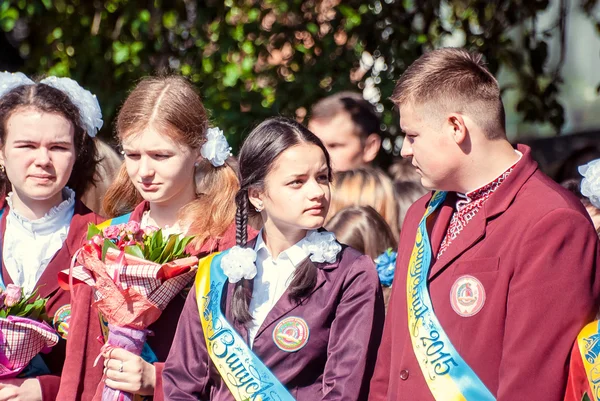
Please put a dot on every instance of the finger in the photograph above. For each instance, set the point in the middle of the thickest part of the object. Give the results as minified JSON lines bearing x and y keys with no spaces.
{"x":116,"y":376}
{"x":121,"y":354}
{"x":128,"y":387}
{"x":116,"y":365}
{"x":8,"y":392}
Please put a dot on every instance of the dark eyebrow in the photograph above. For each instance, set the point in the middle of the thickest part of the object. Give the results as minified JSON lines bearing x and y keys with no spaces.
{"x":295,"y":176}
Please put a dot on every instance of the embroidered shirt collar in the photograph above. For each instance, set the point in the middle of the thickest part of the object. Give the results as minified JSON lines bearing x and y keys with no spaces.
{"x":56,"y":216}
{"x":296,"y":254}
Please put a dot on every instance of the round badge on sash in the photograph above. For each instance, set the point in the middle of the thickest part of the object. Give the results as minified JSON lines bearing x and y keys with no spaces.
{"x":291,"y":334}
{"x":61,"y":319}
{"x":467,"y":296}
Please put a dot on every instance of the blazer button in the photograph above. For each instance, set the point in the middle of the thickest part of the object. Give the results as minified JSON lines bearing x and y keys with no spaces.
{"x":404,"y":374}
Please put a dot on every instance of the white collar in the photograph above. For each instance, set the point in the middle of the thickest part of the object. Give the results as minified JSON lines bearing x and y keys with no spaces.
{"x":296,"y":254}
{"x":57,"y":215}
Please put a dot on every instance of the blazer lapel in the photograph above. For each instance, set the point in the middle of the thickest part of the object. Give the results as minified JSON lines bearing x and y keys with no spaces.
{"x":472,"y":233}
{"x":286,"y":304}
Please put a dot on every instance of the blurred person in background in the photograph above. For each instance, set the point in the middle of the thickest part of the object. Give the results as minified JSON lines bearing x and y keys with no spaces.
{"x":407,"y":193}
{"x":365,"y":186}
{"x":402,"y":170}
{"x":574,"y":185}
{"x":348,"y":126}
{"x":106,"y":171}
{"x":363,"y":229}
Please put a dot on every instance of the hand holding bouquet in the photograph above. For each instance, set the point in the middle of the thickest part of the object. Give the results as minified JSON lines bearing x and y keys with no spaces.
{"x":24,"y":330}
{"x":135,"y":274}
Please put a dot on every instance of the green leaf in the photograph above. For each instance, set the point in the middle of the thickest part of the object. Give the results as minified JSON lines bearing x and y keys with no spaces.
{"x":106,"y":246}
{"x":92,"y":231}
{"x":168,"y":249}
{"x":153,"y":257}
{"x":134,"y":250}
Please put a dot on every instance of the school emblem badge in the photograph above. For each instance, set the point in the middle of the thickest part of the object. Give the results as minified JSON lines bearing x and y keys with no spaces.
{"x":61,"y":319}
{"x":291,"y":334}
{"x":467,"y":296}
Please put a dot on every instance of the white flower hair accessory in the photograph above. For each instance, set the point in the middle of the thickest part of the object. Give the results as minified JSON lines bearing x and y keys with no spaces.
{"x":239,"y":263}
{"x":89,"y":109}
{"x":88,"y":105}
{"x":11,"y":80}
{"x":322,"y":246}
{"x":590,"y":185}
{"x":216,"y":149}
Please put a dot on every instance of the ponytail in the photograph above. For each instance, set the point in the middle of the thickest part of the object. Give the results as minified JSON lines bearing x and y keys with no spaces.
{"x":121,"y":196}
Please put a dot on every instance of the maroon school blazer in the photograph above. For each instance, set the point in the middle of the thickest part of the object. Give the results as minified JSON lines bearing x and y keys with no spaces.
{"x":84,"y":381}
{"x":48,"y":287}
{"x":344,"y":313}
{"x":535,"y":252}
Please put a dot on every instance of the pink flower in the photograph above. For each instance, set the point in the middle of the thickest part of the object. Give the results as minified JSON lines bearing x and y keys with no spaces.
{"x":149,"y":230}
{"x":132,"y":227}
{"x":111,"y":232}
{"x":13,"y":295}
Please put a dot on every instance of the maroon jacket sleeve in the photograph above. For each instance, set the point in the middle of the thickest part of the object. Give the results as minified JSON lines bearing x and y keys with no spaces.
{"x":355,"y":335}
{"x":80,"y":378}
{"x":556,"y":282}
{"x":49,"y":385}
{"x":186,"y":371}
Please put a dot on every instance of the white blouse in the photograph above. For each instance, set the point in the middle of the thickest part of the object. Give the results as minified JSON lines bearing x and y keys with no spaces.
{"x":30,"y":245}
{"x":272,"y":278}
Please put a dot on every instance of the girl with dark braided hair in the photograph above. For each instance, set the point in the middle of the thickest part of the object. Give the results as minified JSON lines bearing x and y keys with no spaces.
{"x":296,"y":305}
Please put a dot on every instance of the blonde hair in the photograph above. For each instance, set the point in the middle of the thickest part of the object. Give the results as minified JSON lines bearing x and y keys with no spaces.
{"x":365,"y":186}
{"x":454,"y":80}
{"x":172,"y":106}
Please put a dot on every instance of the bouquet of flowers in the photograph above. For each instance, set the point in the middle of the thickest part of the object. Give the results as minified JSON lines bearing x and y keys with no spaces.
{"x":24,"y":330}
{"x":135,"y":273}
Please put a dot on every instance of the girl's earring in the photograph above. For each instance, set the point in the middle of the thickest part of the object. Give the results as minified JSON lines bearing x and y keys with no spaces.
{"x":2,"y":168}
{"x":259,"y":208}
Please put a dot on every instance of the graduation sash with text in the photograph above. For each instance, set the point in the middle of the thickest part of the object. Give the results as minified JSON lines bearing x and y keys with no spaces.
{"x":243,"y":372}
{"x":448,"y":376}
{"x":588,"y":342}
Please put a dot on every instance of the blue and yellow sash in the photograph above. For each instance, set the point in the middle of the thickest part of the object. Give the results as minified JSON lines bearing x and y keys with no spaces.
{"x":242,"y":371}
{"x":588,"y":341}
{"x":448,"y":376}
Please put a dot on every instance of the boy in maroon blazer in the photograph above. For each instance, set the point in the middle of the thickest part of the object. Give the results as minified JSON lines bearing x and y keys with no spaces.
{"x":512,"y":274}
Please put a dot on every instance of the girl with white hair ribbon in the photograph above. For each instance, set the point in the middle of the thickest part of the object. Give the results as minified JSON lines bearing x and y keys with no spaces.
{"x":47,"y":160}
{"x":176,"y":176}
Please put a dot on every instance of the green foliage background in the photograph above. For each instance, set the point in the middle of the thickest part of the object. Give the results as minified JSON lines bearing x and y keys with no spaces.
{"x":253,"y":59}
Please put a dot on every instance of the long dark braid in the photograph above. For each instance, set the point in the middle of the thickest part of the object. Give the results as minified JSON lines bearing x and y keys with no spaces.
{"x":240,"y":302}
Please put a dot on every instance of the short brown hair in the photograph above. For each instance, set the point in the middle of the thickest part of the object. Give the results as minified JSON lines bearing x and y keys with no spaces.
{"x":48,"y":99}
{"x":362,"y":228}
{"x":363,"y":114}
{"x":172,"y":105}
{"x":452,"y":78}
